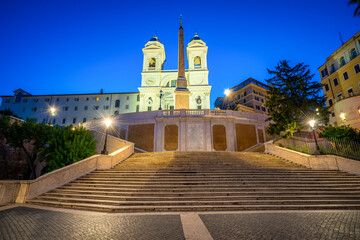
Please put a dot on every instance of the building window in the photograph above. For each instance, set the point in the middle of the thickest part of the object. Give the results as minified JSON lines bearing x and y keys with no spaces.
{"x":350,"y":92}
{"x":332,"y":69}
{"x":199,"y":107}
{"x":263,"y":109}
{"x":64,"y":121}
{"x":74,"y":120}
{"x":96,"y":107}
{"x":257,"y":99}
{"x":346,"y":76}
{"x":44,"y":120}
{"x":76,"y":99}
{"x":7,"y":100}
{"x":152,"y":63}
{"x":57,"y":99}
{"x":84,"y":120}
{"x":338,"y":97}
{"x":34,"y":109}
{"x":197,"y":62}
{"x":326,"y":86}
{"x":332,"y":114}
{"x":342,"y":61}
{"x":106,"y":107}
{"x":171,"y":107}
{"x":97,"y":99}
{"x":353,"y":54}
{"x":76,"y":108}
{"x":24,"y":100}
{"x":117,"y":103}
{"x":138,"y":98}
{"x":36,"y":100}
{"x":107,"y":98}
{"x":173,"y":83}
{"x":67,"y":99}
{"x":126,"y":107}
{"x":23,"y":109}
{"x":257,"y":107}
{"x":324,"y":72}
{"x":335,"y":82}
{"x":86,"y":108}
{"x":65,"y":108}
{"x":357,"y":68}
{"x":244,"y":100}
{"x":127,"y":97}
{"x":149,"y":108}
{"x":116,"y":112}
{"x":47,"y":99}
{"x":262,"y":100}
{"x":137,"y":108}
{"x":244,"y":93}
{"x":330,"y":101}
{"x":54,"y":121}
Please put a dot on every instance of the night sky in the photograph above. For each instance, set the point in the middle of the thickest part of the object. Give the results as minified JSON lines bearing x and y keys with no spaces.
{"x":73,"y":46}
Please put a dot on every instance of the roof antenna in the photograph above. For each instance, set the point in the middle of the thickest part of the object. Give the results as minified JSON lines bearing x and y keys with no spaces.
{"x":155,"y":31}
{"x":342,"y":42}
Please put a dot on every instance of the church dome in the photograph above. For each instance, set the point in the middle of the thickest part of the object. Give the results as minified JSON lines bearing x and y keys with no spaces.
{"x":196,"y":37}
{"x":154,"y":39}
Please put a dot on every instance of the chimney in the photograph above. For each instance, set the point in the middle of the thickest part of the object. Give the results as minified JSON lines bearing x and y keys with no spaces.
{"x":101,"y":91}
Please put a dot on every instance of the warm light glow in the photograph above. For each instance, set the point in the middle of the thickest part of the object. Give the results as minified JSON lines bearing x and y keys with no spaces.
{"x":227,"y":92}
{"x":52,"y":111}
{"x":312,"y":123}
{"x":107,"y":122}
{"x":342,"y":116}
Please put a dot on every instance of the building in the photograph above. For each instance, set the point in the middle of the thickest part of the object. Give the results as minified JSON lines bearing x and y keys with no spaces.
{"x":248,"y":96}
{"x":340,"y":77}
{"x":69,"y":108}
{"x":156,"y":84}
{"x":156,"y":79}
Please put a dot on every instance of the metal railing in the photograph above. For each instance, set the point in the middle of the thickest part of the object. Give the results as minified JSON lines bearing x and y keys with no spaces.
{"x":343,"y":148}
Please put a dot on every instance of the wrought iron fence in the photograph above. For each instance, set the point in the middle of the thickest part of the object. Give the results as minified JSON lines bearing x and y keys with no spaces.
{"x":343,"y":148}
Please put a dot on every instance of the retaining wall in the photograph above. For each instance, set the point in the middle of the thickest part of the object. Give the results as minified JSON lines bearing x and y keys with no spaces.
{"x":319,"y":162}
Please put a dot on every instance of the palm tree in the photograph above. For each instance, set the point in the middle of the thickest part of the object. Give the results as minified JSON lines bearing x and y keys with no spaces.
{"x":357,"y":4}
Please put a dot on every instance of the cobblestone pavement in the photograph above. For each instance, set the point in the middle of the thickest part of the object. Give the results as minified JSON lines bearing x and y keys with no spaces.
{"x":31,"y":223}
{"x":299,"y":225}
{"x":34,"y":223}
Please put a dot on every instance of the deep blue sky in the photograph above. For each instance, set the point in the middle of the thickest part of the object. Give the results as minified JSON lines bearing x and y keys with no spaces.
{"x":73,"y":46}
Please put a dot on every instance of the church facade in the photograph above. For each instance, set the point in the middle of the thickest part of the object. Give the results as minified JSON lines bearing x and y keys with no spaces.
{"x":158,"y":82}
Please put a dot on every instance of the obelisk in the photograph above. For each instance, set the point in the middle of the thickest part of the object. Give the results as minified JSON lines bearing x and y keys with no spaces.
{"x":181,"y":92}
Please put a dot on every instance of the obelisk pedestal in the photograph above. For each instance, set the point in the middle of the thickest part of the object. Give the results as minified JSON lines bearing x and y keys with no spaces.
{"x":181,"y":93}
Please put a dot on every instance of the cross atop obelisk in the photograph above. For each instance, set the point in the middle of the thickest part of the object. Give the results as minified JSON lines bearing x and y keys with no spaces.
{"x":181,"y":92}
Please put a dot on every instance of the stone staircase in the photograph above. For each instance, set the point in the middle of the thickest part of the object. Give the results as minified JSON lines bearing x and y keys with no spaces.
{"x":202,"y":181}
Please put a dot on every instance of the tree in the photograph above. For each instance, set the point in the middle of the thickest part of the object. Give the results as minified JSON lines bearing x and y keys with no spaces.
{"x":293,"y":99}
{"x":341,"y":132}
{"x":66,"y":146}
{"x":28,"y":136}
{"x":357,"y":9}
{"x":7,"y":112}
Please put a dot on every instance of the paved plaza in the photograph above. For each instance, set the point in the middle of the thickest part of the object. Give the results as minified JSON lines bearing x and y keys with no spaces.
{"x":29,"y":222}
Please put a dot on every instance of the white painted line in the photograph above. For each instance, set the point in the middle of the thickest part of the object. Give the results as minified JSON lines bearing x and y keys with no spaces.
{"x":193,"y":227}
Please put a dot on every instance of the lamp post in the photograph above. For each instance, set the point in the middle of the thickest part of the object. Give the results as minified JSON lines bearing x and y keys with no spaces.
{"x":107,"y":124}
{"x":312,"y":125}
{"x":227,"y":93}
{"x":52,"y":113}
{"x":161,"y":94}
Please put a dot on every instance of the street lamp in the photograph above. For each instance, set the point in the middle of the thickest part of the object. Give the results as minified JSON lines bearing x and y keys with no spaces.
{"x":312,"y":125}
{"x":227,"y":95}
{"x":161,"y":94}
{"x":52,"y":111}
{"x":107,"y":124}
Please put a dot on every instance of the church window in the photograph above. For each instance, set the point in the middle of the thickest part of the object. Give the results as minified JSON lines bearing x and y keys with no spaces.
{"x":117,"y":103}
{"x":167,"y":84}
{"x":199,"y":107}
{"x":149,"y":108}
{"x":138,"y":98}
{"x":173,"y":83}
{"x":171,"y":107}
{"x":137,"y":108}
{"x":342,"y":61}
{"x":18,"y":98}
{"x":127,"y":97}
{"x":116,"y":112}
{"x":152,"y":63}
{"x":106,"y":107}
{"x":197,"y":62}
{"x":126,"y":107}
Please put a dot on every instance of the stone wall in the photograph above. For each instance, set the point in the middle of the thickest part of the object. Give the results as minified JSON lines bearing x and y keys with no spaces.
{"x":142,"y":135}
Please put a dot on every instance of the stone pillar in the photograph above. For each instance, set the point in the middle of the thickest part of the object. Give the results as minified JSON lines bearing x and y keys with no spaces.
{"x":182,"y":94}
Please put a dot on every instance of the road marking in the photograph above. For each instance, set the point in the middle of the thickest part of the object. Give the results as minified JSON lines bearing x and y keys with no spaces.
{"x":193,"y":227}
